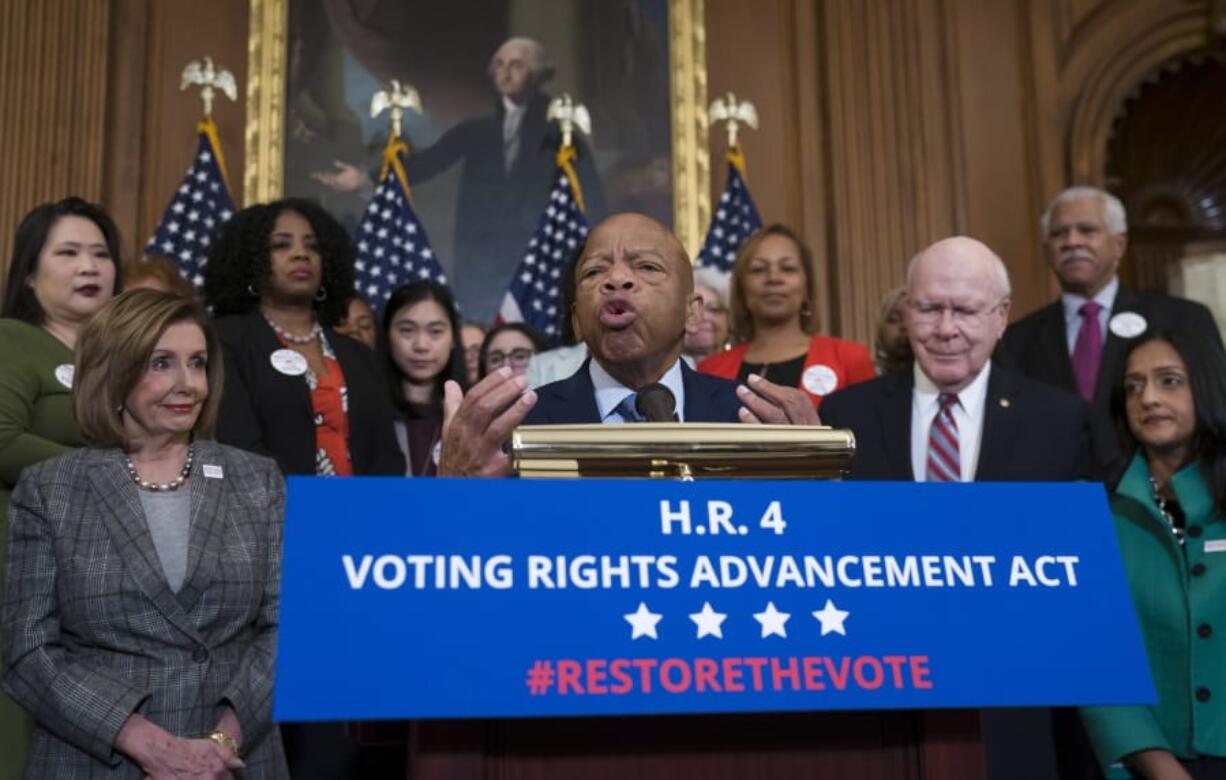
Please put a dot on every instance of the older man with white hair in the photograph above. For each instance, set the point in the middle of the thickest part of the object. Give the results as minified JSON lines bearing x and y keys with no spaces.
{"x":1078,"y":341}
{"x":957,"y":416}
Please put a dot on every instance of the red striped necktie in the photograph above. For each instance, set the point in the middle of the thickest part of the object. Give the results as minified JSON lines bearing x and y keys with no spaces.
{"x":944,"y":462}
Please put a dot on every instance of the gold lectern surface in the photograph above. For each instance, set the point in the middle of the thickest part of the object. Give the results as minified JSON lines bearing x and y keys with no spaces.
{"x":687,"y":450}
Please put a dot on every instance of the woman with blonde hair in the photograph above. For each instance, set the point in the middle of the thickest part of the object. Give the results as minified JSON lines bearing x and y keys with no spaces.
{"x":143,"y":571}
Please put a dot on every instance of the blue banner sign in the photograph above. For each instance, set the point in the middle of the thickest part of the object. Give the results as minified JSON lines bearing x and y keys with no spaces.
{"x":437,"y":598}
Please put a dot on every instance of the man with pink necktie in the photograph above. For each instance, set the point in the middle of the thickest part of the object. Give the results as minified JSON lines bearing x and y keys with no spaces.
{"x":1077,"y":342}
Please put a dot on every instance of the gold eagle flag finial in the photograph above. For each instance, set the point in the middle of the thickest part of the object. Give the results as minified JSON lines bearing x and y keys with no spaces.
{"x":733,"y":113}
{"x":569,"y":115}
{"x":209,"y":78}
{"x":398,"y":98}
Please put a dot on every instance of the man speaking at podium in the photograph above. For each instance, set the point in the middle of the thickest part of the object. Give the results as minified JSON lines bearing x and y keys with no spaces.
{"x":634,"y":304}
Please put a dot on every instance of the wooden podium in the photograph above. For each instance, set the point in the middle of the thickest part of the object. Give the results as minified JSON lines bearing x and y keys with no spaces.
{"x":890,"y":745}
{"x":866,"y":745}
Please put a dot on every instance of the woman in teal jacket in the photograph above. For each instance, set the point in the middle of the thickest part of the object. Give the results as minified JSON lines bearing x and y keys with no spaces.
{"x":1170,"y":516}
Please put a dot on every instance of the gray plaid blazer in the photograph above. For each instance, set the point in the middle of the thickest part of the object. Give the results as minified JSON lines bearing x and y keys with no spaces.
{"x":92,"y":632}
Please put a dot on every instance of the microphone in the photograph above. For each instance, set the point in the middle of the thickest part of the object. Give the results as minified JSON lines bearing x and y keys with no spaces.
{"x":656,"y":403}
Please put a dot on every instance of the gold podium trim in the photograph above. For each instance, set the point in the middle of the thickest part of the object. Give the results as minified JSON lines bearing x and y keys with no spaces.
{"x":682,"y":450}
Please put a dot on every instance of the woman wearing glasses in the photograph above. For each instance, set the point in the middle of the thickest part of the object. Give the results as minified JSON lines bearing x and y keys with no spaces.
{"x":1170,"y":518}
{"x":510,"y":344}
{"x":772,"y":319}
{"x":421,"y":333}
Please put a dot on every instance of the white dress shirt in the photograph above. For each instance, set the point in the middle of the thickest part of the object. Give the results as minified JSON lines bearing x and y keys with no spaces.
{"x":511,"y":121}
{"x":1073,"y":318}
{"x":610,"y":392}
{"x":968,"y":414}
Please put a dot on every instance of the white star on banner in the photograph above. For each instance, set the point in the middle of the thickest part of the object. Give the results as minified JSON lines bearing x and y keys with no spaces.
{"x":709,"y":621}
{"x":772,"y":621}
{"x":832,"y":618}
{"x":643,"y":622}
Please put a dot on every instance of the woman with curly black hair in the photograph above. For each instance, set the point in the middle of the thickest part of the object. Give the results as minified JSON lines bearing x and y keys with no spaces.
{"x":278,"y":278}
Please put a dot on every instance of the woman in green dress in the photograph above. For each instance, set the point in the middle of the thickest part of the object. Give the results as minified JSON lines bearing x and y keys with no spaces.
{"x":1169,"y":509}
{"x":64,"y":266}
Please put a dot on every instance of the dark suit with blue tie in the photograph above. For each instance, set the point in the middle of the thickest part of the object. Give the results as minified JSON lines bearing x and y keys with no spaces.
{"x":573,"y":400}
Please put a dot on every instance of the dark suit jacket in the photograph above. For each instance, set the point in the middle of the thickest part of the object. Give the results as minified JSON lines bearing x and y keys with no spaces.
{"x":1031,"y":432}
{"x":265,"y":411}
{"x":1037,"y":347}
{"x":93,"y":633}
{"x":497,"y":210}
{"x":573,"y":400}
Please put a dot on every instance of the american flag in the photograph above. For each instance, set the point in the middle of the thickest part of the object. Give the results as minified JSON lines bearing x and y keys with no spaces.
{"x":535,"y":293}
{"x":201,"y":205}
{"x":736,"y":218}
{"x":393,"y":248}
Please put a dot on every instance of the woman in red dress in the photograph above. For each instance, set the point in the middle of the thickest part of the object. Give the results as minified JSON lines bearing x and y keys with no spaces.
{"x":772,"y":321}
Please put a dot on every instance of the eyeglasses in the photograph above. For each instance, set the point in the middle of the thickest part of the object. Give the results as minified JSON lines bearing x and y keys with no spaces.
{"x":516,"y":358}
{"x":930,"y":313}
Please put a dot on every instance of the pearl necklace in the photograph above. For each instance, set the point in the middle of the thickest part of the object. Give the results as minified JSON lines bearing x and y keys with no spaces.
{"x":316,"y":330}
{"x":174,"y":484}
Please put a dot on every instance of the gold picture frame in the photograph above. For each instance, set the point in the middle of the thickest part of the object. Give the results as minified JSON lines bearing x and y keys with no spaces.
{"x":263,"y":174}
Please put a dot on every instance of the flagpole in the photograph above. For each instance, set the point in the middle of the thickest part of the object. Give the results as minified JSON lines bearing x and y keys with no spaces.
{"x":570,"y":116}
{"x":396,"y":99}
{"x":209,"y":78}
{"x":736,"y":217}
{"x":393,"y":248}
{"x":732,"y":113}
{"x":202,"y":202}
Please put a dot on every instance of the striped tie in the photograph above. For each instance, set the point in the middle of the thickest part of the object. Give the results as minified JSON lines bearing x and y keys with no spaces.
{"x":944,"y":465}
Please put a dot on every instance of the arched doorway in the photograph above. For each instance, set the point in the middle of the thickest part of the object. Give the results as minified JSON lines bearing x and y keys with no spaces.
{"x":1166,"y":160}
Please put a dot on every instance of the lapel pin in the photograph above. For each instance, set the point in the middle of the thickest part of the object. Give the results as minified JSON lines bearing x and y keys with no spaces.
{"x":212,"y":472}
{"x":1005,"y":403}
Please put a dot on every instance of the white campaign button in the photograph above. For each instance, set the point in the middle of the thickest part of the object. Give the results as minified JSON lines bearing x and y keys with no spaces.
{"x":1128,"y":324}
{"x":819,"y":379}
{"x":64,"y":373}
{"x":212,"y":471}
{"x":289,"y":362}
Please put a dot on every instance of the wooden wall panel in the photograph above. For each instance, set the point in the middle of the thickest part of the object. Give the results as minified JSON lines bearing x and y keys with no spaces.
{"x":1001,"y":172}
{"x":894,"y":149}
{"x":767,"y":52}
{"x":53,"y":56}
{"x":181,"y":31}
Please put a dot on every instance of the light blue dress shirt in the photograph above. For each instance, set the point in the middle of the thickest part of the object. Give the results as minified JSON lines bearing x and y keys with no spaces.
{"x":610,"y":392}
